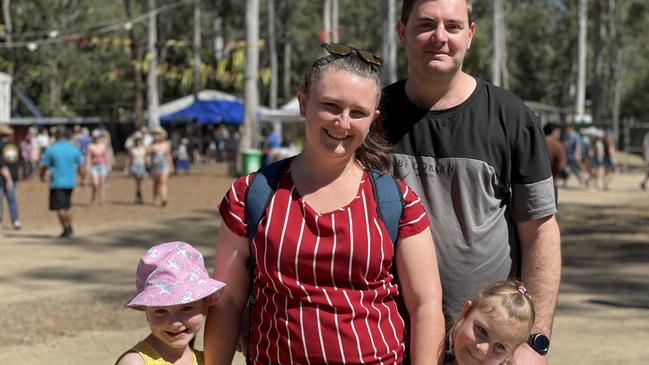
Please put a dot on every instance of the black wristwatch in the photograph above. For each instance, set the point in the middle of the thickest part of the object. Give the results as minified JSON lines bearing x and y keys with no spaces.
{"x":539,"y":343}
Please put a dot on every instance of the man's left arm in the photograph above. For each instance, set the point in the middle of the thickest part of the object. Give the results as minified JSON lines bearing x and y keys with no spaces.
{"x":540,"y":243}
{"x":6,"y":175}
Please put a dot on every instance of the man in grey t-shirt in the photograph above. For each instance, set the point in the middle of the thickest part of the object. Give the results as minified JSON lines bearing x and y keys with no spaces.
{"x":476,"y":156}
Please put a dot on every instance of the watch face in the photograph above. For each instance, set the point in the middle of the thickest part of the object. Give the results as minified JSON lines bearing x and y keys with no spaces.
{"x":540,"y":343}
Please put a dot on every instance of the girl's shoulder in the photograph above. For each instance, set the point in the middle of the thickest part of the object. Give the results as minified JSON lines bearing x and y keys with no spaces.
{"x":130,"y":357}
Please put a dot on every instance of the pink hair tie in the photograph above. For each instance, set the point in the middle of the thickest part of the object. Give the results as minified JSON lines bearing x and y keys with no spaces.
{"x":521,"y":289}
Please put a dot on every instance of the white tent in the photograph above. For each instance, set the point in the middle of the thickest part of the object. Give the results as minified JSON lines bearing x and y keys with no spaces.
{"x":182,"y":103}
{"x":289,"y":112}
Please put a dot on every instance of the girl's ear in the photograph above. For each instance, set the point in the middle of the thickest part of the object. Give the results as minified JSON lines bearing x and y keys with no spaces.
{"x":468,"y":305}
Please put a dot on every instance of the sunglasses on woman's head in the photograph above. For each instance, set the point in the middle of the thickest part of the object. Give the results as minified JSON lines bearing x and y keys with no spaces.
{"x":340,"y":49}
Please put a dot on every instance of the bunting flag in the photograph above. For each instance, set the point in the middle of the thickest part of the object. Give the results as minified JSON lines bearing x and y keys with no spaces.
{"x":108,"y":43}
{"x":184,"y":74}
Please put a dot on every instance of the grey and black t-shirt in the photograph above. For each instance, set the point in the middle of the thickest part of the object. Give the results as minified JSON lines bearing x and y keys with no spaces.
{"x":479,"y":168}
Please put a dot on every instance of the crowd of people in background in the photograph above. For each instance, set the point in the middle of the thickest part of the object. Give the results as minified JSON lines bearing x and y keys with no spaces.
{"x":52,"y":153}
{"x":588,"y":154}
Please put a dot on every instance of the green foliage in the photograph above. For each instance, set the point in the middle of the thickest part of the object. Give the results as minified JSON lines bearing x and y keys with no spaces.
{"x":77,"y":78}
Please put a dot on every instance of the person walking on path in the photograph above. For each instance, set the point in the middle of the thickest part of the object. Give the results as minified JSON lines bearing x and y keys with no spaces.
{"x":645,"y":154}
{"x":9,"y":161}
{"x":159,"y":154}
{"x":64,"y":161}
{"x":136,"y":164}
{"x":476,"y":156}
{"x":556,"y":153}
{"x":576,"y":155}
{"x":324,"y":263}
{"x":97,"y":163}
{"x":611,"y":168}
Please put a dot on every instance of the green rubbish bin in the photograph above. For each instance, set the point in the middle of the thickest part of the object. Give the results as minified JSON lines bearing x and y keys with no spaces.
{"x":250,"y":160}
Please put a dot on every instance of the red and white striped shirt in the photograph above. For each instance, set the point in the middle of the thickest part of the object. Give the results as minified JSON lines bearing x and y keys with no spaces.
{"x":323,"y":282}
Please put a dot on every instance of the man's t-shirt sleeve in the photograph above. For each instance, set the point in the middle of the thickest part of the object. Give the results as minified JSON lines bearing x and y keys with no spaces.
{"x":532,"y":186}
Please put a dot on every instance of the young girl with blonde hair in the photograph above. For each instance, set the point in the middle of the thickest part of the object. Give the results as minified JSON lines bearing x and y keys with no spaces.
{"x":492,"y":325}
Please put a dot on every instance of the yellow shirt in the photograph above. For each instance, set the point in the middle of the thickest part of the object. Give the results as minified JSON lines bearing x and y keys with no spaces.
{"x":151,"y":356}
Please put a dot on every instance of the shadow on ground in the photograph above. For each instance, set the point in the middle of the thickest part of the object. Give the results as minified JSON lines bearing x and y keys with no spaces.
{"x":605,"y":254}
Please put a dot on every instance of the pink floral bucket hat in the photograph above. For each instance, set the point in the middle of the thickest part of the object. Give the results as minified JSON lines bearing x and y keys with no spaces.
{"x":170,"y":274}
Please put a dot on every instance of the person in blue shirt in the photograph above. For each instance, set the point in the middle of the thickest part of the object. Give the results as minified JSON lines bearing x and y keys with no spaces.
{"x":272,"y":142}
{"x":64,"y":161}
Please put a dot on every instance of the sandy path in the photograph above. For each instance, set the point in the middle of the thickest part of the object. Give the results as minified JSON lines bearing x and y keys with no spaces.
{"x":62,"y":298}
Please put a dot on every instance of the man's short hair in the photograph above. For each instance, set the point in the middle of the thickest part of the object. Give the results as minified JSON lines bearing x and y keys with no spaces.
{"x":549,"y":128}
{"x":406,"y":9}
{"x":62,"y":133}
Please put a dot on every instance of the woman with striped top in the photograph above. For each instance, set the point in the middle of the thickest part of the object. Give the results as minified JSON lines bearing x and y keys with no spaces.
{"x":324,"y":275}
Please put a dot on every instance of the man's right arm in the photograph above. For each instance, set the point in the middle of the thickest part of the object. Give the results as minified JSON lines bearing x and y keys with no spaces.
{"x":81,"y":170}
{"x":6,"y":176}
{"x":44,"y":164}
{"x":43,"y":172}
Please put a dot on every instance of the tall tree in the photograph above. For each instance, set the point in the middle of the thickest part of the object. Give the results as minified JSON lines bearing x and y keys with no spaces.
{"x":8,"y":29}
{"x":217,"y":27}
{"x":598,"y":39}
{"x":499,"y":73}
{"x":196,"y":48}
{"x":615,"y":64}
{"x":335,"y":35}
{"x":152,"y":78}
{"x":389,"y":48}
{"x":272,"y":48}
{"x":136,"y":58}
{"x":326,"y":21}
{"x":249,"y":130}
{"x":287,"y":39}
{"x":580,"y":98}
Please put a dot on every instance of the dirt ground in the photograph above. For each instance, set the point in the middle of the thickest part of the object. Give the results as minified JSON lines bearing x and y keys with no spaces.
{"x":62,"y":299}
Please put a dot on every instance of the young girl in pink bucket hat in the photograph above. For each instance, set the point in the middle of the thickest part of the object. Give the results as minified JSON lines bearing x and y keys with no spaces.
{"x":175,"y":291}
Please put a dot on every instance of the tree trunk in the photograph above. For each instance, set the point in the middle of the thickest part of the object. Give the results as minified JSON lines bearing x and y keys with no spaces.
{"x":249,"y":130}
{"x":389,"y":68}
{"x":272,"y":48}
{"x":616,"y":47}
{"x":326,"y":22}
{"x":499,"y":74}
{"x":54,"y":85}
{"x":136,"y":58}
{"x":197,"y":48}
{"x":597,"y":90}
{"x":287,"y":91}
{"x":152,"y":79}
{"x":581,"y":62}
{"x":334,"y":21}
{"x":217,"y":26}
{"x":6,"y":15}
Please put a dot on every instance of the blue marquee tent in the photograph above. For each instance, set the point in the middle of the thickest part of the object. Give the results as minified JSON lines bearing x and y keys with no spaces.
{"x":207,"y":112}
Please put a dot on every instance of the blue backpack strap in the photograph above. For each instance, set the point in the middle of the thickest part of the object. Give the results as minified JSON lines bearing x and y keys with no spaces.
{"x":258,"y":195}
{"x":260,"y":191}
{"x":389,"y":201}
